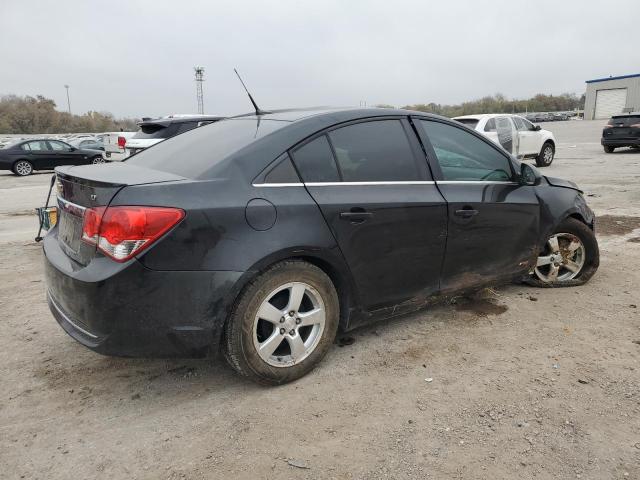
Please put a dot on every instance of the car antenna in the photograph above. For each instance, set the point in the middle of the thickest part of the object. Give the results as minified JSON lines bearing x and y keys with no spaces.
{"x":255,"y":105}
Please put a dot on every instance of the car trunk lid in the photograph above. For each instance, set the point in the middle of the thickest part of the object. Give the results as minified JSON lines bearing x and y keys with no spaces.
{"x":622,"y":128}
{"x":84,"y":187}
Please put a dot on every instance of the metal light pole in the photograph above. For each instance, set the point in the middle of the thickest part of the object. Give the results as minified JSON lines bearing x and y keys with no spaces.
{"x":68,"y":101}
{"x":199,"y":94}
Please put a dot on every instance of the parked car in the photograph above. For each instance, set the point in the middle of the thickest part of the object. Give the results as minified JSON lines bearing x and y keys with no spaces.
{"x":115,"y":145}
{"x":621,"y":131}
{"x":261,"y":236}
{"x":154,"y":131}
{"x":91,"y":143}
{"x":44,"y":154}
{"x":516,"y":135}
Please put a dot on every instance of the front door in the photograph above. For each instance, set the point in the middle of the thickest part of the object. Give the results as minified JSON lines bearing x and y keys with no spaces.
{"x":493,"y":220}
{"x":529,"y":137}
{"x":371,"y":182}
{"x":64,"y":154}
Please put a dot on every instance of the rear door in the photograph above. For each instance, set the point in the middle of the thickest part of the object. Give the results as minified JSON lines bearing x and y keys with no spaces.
{"x":371,"y":182}
{"x":40,"y":154}
{"x":493,"y":221}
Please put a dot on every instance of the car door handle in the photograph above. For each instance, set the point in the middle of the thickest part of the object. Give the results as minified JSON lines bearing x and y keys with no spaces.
{"x":466,"y":212}
{"x":356,"y":215}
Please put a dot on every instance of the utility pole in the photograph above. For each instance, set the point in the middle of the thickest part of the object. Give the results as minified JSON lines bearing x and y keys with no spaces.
{"x":200,"y":96}
{"x":68,"y":101}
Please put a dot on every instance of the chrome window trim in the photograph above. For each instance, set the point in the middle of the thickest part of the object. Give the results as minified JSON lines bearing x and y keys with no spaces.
{"x":260,"y":185}
{"x":468,"y":182}
{"x":335,"y":184}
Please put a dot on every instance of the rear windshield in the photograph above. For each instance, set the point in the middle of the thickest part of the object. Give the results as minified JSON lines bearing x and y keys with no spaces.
{"x":193,"y":153}
{"x":469,"y":122}
{"x":624,"y":121}
{"x":153,"y":130}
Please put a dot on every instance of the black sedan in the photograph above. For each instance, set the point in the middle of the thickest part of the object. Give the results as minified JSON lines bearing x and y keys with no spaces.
{"x":262,"y":236}
{"x":22,"y":158}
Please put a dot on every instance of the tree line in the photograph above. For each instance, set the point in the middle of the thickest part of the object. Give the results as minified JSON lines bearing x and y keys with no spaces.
{"x":498,"y":103}
{"x":39,"y":115}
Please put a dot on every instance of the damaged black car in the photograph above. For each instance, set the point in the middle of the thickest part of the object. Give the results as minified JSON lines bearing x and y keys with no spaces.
{"x":262,"y":236}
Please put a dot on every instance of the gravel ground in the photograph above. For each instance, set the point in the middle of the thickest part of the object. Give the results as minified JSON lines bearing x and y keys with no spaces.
{"x":514,"y":382}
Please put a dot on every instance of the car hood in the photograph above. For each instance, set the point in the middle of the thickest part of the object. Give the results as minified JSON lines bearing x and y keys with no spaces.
{"x":561,"y":182}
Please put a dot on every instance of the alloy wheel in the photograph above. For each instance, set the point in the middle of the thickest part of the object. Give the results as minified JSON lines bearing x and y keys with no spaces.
{"x":562,"y":259}
{"x":289,"y":324}
{"x":547,"y":155}
{"x":23,"y":168}
{"x":98,"y":160}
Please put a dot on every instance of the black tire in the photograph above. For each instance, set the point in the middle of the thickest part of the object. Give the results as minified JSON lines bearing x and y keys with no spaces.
{"x":608,"y":149}
{"x":592,"y":255}
{"x":238,"y":342}
{"x":540,"y":159}
{"x":22,"y":168}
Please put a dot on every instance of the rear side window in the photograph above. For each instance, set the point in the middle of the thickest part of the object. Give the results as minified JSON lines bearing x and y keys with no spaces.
{"x":283,"y":172}
{"x":36,"y":146}
{"x":464,"y":157}
{"x":490,"y":126}
{"x":315,"y":161}
{"x":374,"y":152}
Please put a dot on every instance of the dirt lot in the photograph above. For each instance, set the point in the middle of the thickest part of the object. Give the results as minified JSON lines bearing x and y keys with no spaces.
{"x":516,"y":383}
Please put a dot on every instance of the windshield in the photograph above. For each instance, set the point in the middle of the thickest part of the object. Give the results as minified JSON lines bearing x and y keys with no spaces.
{"x":193,"y":153}
{"x":624,"y":121}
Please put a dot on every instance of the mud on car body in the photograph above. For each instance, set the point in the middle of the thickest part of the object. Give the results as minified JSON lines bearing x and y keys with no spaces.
{"x":260,"y":236}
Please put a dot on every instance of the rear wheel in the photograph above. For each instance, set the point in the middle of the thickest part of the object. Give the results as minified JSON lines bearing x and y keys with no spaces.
{"x":570,"y":257}
{"x":283,"y":324}
{"x":547,"y":152}
{"x":608,"y":149}
{"x":23,"y":168}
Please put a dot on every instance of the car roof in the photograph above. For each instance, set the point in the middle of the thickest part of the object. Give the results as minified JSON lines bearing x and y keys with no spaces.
{"x":485,"y":115}
{"x":331,"y":113}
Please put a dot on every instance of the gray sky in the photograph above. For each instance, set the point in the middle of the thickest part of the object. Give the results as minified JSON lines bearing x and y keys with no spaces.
{"x":136,"y":57}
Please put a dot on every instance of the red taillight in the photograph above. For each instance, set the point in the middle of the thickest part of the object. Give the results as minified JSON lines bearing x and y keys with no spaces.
{"x":608,"y":126}
{"x":635,"y":125}
{"x":123,"y":232}
{"x":122,"y":142}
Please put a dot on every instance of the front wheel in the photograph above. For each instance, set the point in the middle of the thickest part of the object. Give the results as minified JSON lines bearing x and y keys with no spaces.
{"x":283,"y":323}
{"x":97,"y":160}
{"x":23,"y":168}
{"x":569,"y":258}
{"x":545,"y":157}
{"x":608,"y":149}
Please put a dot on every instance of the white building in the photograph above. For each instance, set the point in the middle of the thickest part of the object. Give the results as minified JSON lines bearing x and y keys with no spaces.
{"x":612,"y":96}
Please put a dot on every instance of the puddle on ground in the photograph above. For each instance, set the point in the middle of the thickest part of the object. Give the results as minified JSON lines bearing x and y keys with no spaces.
{"x":481,"y":306}
{"x":616,"y":225}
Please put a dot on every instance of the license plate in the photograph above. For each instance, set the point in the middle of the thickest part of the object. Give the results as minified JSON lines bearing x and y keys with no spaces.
{"x":70,"y":230}
{"x":48,"y":217}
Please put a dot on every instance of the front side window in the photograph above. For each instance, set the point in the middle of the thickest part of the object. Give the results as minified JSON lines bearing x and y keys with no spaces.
{"x":374,"y":151}
{"x":464,"y":157}
{"x":490,"y":126}
{"x":520,"y":126}
{"x":315,"y":161}
{"x":58,"y":146}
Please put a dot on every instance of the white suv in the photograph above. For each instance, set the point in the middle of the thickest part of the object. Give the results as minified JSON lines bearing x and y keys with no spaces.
{"x":516,"y":135}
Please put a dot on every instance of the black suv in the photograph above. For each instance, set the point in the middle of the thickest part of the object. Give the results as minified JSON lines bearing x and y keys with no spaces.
{"x":261,"y":236}
{"x":621,"y":131}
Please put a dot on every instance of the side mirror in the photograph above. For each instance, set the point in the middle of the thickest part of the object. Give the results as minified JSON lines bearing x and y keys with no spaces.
{"x":537,"y":127}
{"x":529,"y":175}
{"x":72,"y":149}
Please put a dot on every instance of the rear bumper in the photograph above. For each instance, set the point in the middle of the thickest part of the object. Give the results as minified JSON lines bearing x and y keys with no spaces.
{"x":129,"y":310}
{"x":625,"y":142}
